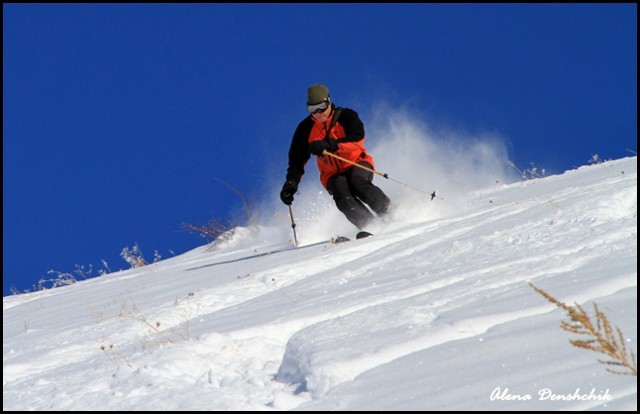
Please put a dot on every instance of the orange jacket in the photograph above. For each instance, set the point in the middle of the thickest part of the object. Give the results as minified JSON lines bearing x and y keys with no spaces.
{"x":348,"y":131}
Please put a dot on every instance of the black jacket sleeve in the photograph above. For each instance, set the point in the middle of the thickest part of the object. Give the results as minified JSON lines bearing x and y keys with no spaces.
{"x":299,"y":150}
{"x":352,"y":125}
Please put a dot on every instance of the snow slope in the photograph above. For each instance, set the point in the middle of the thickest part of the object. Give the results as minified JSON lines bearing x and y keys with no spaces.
{"x":433,"y":313}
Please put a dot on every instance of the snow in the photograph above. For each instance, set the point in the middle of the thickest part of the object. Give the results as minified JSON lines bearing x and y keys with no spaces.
{"x":434,"y":312}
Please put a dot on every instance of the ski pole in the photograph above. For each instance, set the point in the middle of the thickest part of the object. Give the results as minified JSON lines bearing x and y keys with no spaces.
{"x":293,"y":226}
{"x":325,"y":152}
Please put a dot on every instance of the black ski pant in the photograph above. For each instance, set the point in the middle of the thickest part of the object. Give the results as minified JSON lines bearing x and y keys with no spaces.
{"x":353,"y":189}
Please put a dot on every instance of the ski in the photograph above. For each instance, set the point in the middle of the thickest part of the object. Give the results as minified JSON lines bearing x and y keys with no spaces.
{"x":339,"y":239}
{"x":333,"y":240}
{"x":342,"y":239}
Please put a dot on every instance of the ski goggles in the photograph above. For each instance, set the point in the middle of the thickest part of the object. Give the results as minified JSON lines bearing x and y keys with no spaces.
{"x":317,"y":108}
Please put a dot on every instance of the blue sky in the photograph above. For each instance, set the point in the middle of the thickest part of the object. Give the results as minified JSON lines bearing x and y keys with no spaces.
{"x":120,"y":122}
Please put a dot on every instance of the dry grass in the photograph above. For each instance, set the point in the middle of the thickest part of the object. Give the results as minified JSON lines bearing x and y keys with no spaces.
{"x":214,"y":229}
{"x":602,"y":337}
{"x":221,"y":229}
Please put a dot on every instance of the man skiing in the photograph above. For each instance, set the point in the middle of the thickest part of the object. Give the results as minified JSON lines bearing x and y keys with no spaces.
{"x":332,"y":130}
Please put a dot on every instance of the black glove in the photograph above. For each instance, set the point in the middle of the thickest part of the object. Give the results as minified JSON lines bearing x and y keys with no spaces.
{"x":288,"y":190}
{"x":318,"y":147}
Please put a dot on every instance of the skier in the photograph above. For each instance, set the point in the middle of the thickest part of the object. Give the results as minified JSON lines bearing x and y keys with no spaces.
{"x":341,"y":132}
